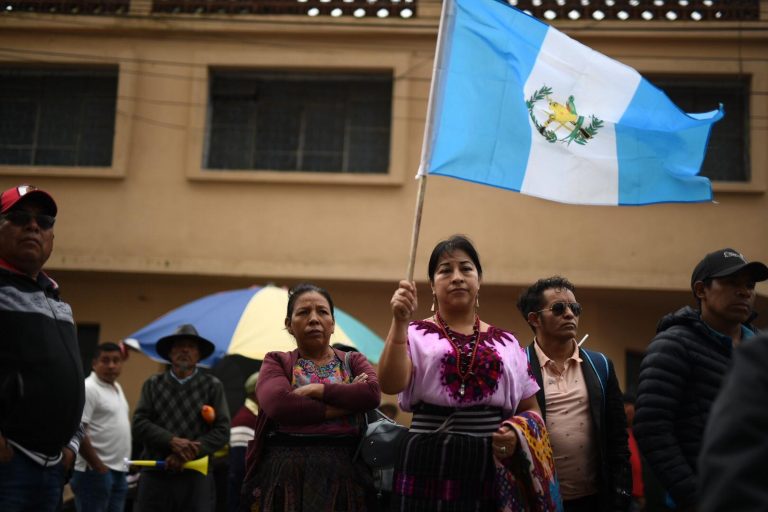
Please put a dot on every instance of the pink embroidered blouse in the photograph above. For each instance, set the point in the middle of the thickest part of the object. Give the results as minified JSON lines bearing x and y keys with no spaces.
{"x":500,"y":376}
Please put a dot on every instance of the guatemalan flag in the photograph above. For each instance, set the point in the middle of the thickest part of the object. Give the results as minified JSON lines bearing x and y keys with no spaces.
{"x":519,"y":105}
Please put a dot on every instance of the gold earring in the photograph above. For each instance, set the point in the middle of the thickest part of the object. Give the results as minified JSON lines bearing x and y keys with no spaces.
{"x":432,"y":308}
{"x":477,"y":301}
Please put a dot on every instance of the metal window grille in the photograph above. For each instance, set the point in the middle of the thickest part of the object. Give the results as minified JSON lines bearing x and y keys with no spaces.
{"x":57,"y":116}
{"x":299,"y":121}
{"x":727,"y":157}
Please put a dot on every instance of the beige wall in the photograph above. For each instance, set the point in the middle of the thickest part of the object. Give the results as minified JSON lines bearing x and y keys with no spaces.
{"x":156,"y":211}
{"x":617,"y":321}
{"x":155,"y":230}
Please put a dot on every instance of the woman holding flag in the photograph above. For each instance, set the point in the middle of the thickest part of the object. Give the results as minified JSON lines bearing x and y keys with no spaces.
{"x":472,"y":396}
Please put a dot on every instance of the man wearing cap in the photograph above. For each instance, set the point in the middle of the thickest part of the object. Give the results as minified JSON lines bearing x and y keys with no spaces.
{"x":174,"y":421}
{"x":684,"y":368}
{"x":41,"y":376}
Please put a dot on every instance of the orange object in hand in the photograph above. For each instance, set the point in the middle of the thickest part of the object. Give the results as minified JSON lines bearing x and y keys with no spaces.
{"x":208,"y":413}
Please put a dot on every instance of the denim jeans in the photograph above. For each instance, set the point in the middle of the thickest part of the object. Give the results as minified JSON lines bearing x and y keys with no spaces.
{"x":26,"y":486}
{"x":97,"y":492}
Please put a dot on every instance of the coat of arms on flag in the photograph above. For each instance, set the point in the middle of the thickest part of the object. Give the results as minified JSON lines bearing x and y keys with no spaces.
{"x":559,"y":118}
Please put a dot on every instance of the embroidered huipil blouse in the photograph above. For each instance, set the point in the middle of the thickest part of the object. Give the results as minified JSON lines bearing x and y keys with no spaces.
{"x":306,"y":372}
{"x":500,"y":376}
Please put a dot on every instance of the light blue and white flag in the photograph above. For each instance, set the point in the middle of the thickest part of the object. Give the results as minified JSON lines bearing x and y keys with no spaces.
{"x":519,"y":105}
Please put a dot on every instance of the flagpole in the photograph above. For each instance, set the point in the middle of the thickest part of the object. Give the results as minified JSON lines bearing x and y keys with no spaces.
{"x":426,"y":144}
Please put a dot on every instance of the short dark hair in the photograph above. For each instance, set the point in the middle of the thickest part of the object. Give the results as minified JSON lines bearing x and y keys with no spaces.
{"x":532,"y":299}
{"x":707,"y":284}
{"x":302,"y":288}
{"x":106,"y":347}
{"x":454,"y":243}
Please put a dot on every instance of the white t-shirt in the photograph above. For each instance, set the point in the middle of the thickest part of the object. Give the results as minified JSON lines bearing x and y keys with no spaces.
{"x":108,"y":423}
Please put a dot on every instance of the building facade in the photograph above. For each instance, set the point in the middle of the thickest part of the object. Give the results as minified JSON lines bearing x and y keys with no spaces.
{"x":198,"y":146}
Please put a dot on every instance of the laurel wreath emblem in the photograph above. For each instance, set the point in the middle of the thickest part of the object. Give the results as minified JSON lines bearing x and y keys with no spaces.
{"x":580,"y":134}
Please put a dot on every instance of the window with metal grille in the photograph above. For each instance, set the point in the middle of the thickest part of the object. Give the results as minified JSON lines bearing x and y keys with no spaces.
{"x":299,"y":121}
{"x":727,"y":156}
{"x":57,"y":116}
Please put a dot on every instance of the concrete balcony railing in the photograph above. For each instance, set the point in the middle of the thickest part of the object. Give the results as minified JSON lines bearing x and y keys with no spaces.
{"x":548,"y":10}
{"x":642,"y":10}
{"x":334,"y":8}
{"x":95,"y":7}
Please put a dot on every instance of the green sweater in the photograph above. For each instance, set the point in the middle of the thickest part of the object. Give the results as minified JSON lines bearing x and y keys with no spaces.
{"x":168,"y":409}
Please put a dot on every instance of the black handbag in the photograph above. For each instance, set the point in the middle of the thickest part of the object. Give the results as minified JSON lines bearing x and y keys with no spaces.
{"x":378,"y":446}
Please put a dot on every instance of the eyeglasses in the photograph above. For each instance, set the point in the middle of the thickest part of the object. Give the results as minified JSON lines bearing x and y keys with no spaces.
{"x":558,"y":308}
{"x":22,"y":218}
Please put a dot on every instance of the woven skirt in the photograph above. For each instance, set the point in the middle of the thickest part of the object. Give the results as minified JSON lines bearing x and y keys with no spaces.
{"x":319,"y":478}
{"x":444,"y":472}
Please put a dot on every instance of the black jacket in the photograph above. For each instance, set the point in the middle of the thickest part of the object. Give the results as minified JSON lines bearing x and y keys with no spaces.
{"x":680,"y":376}
{"x":42,"y":390}
{"x":610,"y":422}
{"x":732,"y":475}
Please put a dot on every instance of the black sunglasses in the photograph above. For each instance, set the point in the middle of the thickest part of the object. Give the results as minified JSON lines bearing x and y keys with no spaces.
{"x":22,"y":218}
{"x":558,"y":308}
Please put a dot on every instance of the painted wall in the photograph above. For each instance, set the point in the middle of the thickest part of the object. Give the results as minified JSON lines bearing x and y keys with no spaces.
{"x":156,"y":230}
{"x":617,"y":321}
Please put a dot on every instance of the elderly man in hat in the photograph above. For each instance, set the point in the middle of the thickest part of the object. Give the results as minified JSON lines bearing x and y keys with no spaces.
{"x":684,"y":367}
{"x":41,"y":376}
{"x":181,"y":416}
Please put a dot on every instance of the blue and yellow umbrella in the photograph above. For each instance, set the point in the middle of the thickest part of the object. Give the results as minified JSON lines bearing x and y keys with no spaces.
{"x":248,"y":323}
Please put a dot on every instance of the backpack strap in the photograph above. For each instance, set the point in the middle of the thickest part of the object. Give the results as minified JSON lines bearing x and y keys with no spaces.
{"x":602,"y":374}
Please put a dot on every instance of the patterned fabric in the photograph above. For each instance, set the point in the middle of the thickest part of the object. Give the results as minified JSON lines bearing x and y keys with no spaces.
{"x":175,"y":408}
{"x":328,"y":481}
{"x":527,"y":481}
{"x":174,"y":401}
{"x":443,"y":471}
{"x":306,"y":372}
{"x":500,"y":377}
{"x":481,"y":421}
{"x":481,"y":382}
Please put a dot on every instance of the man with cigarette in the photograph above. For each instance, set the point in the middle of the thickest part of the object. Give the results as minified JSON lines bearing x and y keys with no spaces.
{"x":580,"y":401}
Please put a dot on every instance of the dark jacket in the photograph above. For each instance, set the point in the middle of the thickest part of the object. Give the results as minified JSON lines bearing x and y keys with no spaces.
{"x":732,"y":475}
{"x":610,"y":422}
{"x":680,"y":376}
{"x":42,"y":391}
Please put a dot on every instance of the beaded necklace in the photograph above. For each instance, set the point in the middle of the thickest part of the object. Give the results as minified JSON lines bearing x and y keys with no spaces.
{"x":465,"y":355}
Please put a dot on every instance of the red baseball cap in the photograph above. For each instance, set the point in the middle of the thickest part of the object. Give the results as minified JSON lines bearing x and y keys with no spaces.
{"x":12,"y":196}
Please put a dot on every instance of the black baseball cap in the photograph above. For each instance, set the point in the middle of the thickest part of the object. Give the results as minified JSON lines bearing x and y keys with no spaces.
{"x":725,"y":262}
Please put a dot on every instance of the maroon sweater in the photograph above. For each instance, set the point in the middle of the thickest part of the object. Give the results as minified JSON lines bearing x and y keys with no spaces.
{"x":278,"y":404}
{"x":275,"y":397}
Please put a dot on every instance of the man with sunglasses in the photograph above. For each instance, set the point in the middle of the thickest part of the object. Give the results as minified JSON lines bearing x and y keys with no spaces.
{"x":41,"y":377}
{"x":580,"y":400}
{"x":684,"y":367}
